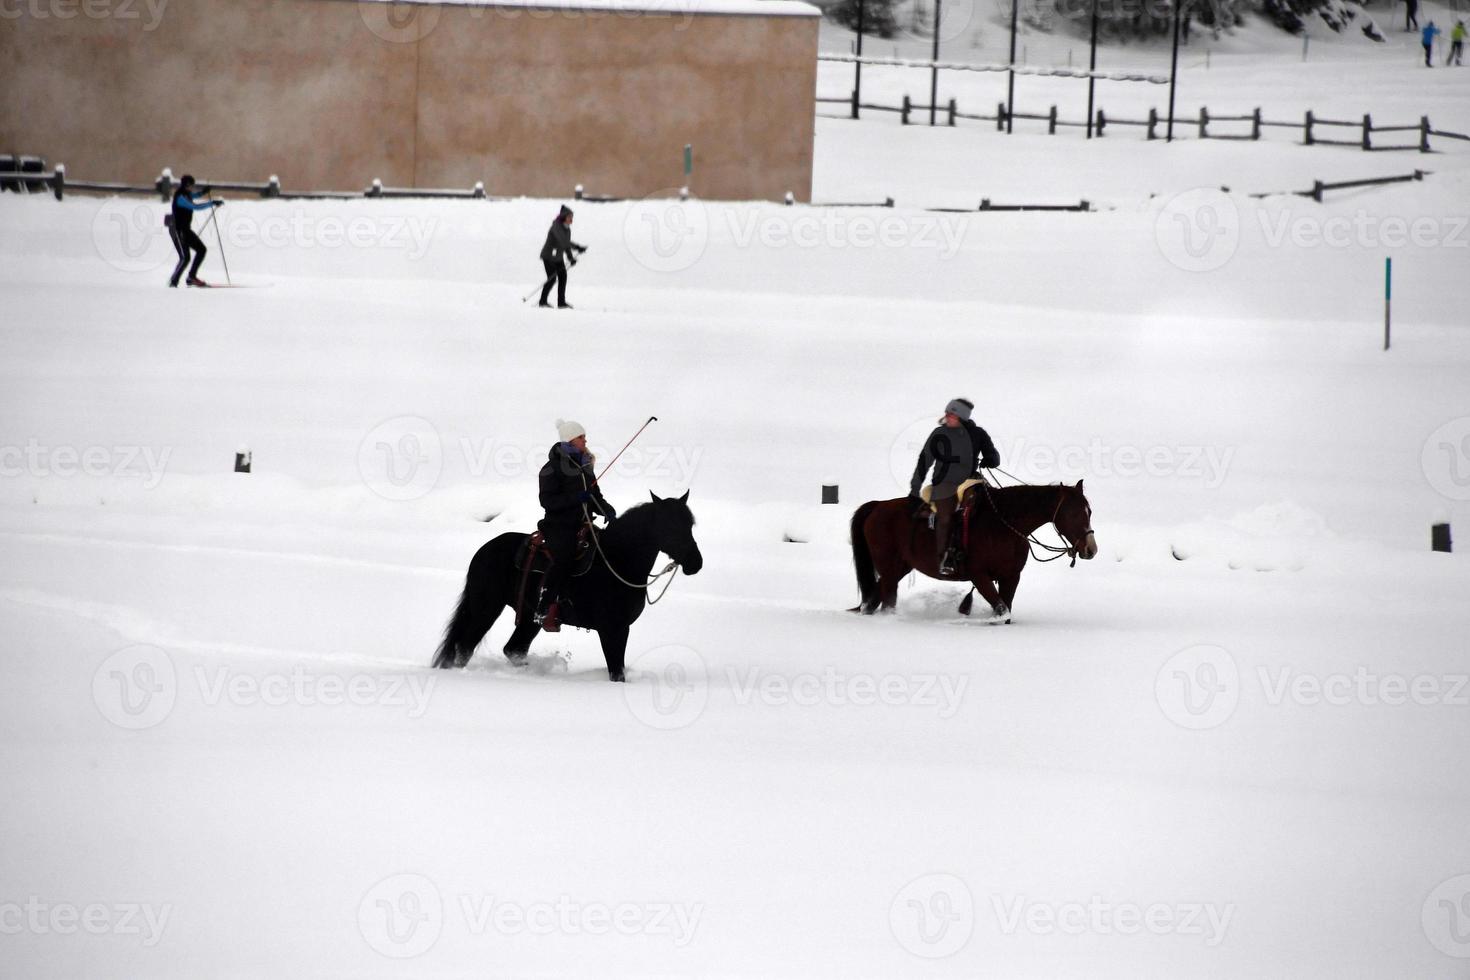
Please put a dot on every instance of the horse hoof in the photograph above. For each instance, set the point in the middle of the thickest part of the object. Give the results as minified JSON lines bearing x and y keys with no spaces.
{"x":618,"y":678}
{"x":516,"y":659}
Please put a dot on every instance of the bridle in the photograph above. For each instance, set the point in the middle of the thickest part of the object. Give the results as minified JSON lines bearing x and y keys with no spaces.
{"x":1032,"y":542}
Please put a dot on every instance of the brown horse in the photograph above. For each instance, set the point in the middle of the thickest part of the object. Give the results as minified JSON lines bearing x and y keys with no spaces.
{"x":888,"y":542}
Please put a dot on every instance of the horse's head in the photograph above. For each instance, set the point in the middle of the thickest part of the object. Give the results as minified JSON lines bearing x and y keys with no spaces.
{"x":1074,"y":522}
{"x":674,"y":530}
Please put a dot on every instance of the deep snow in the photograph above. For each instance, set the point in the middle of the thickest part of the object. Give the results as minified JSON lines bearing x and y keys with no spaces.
{"x":1230,"y":745}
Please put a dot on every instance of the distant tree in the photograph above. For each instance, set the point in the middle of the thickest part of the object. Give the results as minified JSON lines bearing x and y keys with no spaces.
{"x":879,"y":19}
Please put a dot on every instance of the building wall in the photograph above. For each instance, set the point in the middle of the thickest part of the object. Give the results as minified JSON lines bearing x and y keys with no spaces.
{"x":329,"y":94}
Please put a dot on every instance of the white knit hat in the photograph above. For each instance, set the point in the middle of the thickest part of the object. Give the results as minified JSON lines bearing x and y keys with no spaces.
{"x":566,"y":431}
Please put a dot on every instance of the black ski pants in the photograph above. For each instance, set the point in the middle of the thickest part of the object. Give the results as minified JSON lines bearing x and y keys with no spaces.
{"x":184,"y":244}
{"x":556,"y":272}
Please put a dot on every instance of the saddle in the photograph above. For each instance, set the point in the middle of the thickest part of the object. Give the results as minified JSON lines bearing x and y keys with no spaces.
{"x":534,"y":557}
{"x":963,"y":492}
{"x":971,"y":499}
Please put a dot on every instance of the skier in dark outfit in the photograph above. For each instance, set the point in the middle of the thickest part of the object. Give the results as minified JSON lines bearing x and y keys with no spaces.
{"x":570,"y":495}
{"x":558,"y":250}
{"x":181,"y":218}
{"x":956,"y":450}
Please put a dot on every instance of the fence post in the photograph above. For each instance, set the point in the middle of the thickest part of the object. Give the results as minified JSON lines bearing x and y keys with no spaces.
{"x":164,"y":184}
{"x":951,"y":111}
{"x":1423,"y":134}
{"x":906,"y":106}
{"x":1367,"y":131}
{"x":1051,"y":122}
{"x":1153,"y":121}
{"x":1000,"y":117}
{"x":1204,"y":123}
{"x":58,"y":181}
{"x":272,"y":187}
{"x":854,"y":103}
{"x":1307,"y":126}
{"x":1256,"y":124}
{"x":985,"y":204}
{"x":1317,"y":189}
{"x":1101,"y":122}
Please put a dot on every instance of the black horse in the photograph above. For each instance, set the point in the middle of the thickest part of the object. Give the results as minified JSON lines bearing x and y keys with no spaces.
{"x":600,"y":600}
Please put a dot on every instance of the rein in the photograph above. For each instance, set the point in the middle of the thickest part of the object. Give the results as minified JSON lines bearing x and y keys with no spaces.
{"x":1032,"y":541}
{"x":671,"y":570}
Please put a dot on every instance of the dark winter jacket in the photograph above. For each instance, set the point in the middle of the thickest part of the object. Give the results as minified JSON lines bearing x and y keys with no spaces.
{"x":559,"y":245}
{"x":566,"y":476}
{"x":955,"y":454}
{"x":185,"y":205}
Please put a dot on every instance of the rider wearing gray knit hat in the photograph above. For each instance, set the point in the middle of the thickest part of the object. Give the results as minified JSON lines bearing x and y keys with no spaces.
{"x":956,"y":451}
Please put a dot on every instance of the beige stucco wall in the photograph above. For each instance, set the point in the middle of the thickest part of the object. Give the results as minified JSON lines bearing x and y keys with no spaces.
{"x":329,"y":94}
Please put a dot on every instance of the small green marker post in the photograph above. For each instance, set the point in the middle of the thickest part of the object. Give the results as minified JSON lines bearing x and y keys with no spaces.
{"x":1387,"y":300}
{"x":688,"y":160}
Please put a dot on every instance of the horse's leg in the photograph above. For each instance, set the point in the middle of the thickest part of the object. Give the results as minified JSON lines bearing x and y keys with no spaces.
{"x":1008,"y":585}
{"x":614,"y":648}
{"x":987,"y":591}
{"x":889,"y":576}
{"x":520,"y":640}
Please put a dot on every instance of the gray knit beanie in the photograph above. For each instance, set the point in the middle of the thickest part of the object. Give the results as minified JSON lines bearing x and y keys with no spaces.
{"x":961,"y":407}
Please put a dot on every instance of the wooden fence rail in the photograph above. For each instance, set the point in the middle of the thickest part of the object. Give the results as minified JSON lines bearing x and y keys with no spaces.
{"x":1311,"y":126}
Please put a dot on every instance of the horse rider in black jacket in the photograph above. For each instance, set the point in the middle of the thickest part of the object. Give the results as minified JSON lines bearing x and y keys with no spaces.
{"x":570,"y":495}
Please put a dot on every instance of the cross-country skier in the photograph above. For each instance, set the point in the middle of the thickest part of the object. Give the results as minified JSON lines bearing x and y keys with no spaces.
{"x":570,"y":495}
{"x":1430,"y":32}
{"x":558,"y":250}
{"x":956,"y":451}
{"x":1457,"y":44}
{"x":1411,"y":15}
{"x":186,"y":202}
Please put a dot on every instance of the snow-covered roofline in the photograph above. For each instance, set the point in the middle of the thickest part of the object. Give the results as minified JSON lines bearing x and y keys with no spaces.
{"x":693,"y":8}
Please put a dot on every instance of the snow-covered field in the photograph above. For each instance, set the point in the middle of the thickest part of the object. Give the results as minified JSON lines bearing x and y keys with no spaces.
{"x":1232,"y":745}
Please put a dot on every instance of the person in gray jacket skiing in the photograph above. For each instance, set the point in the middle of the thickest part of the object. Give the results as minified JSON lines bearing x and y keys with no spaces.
{"x":558,"y":250}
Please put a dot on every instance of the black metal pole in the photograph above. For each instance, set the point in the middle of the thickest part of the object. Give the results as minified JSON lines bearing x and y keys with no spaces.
{"x":1092,"y":68}
{"x":1011,"y":75}
{"x":934,"y":71}
{"x":857,"y":68}
{"x":1173,"y":74}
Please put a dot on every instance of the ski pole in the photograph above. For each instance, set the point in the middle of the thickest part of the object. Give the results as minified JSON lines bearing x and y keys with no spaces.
{"x":219,"y":241}
{"x":609,"y":466}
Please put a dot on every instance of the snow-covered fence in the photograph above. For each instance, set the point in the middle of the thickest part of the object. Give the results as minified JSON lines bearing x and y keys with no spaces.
{"x":1154,"y":125}
{"x":1320,"y":187}
{"x":31,"y":178}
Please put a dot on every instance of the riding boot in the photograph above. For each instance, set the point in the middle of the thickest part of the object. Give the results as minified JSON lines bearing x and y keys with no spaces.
{"x":944,"y":507}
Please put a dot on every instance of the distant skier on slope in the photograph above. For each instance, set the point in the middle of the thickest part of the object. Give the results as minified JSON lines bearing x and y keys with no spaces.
{"x":558,"y":250}
{"x":180,"y":220}
{"x":956,"y":451}
{"x":1457,"y":44}
{"x":1430,"y":33}
{"x":570,"y":495}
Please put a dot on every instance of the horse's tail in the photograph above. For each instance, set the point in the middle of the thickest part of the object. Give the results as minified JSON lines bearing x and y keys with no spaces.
{"x":479,"y":604}
{"x":454,"y":633}
{"x":862,"y":555}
